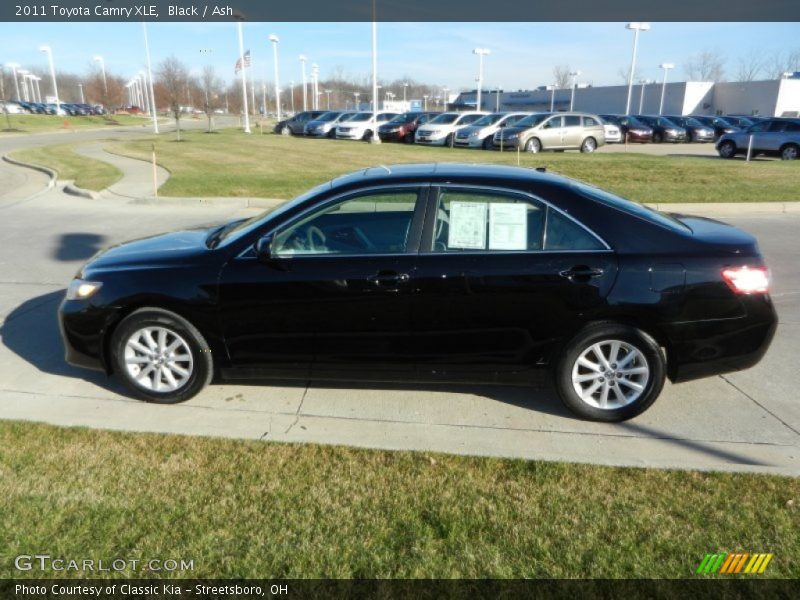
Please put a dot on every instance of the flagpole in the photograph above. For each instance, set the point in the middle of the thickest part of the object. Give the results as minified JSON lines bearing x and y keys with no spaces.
{"x":244,"y":79}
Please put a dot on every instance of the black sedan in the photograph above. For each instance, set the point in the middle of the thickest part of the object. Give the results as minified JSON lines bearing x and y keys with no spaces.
{"x":664,"y":130}
{"x":433,"y":272}
{"x":720,"y":125}
{"x":695,"y":130}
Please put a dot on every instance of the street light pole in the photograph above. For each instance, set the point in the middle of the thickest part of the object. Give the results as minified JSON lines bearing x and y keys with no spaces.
{"x":291,"y":93}
{"x":149,"y":79}
{"x":303,"y":69}
{"x":375,"y":139}
{"x":497,"y":99}
{"x":636,"y":27}
{"x":244,"y":79}
{"x":642,"y":83}
{"x":328,"y":94}
{"x":274,"y":39}
{"x":445,"y":97}
{"x":574,"y":76}
{"x":481,"y":52}
{"x":315,"y":86}
{"x":49,"y":52}
{"x":425,"y":98}
{"x":80,"y":88}
{"x":13,"y":67}
{"x":666,"y":67}
{"x":24,"y":73}
{"x":405,"y":87}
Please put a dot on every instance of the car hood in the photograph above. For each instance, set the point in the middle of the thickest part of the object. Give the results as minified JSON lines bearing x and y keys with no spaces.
{"x":173,"y":248}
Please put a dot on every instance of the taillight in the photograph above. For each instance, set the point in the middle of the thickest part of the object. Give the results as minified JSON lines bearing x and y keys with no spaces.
{"x":747,"y":280}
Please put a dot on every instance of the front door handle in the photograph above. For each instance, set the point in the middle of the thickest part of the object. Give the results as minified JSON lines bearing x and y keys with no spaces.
{"x":581,"y":273}
{"x":388,"y":278}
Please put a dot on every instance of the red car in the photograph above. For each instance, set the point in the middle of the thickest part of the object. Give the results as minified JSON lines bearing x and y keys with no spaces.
{"x":631,"y":128}
{"x":402,"y":127}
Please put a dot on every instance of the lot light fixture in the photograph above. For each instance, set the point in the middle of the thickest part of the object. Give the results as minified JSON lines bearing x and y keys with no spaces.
{"x":24,"y":73}
{"x":243,"y":71}
{"x":636,"y":28}
{"x":274,"y":39}
{"x":574,"y":76}
{"x":302,"y":58}
{"x":13,"y":67}
{"x":666,"y":67}
{"x":481,"y":52}
{"x":49,"y":52}
{"x":154,"y":111}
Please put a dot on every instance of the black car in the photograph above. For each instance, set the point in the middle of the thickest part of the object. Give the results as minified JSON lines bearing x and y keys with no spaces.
{"x":431,"y":272}
{"x":296,"y":124}
{"x":720,"y":125}
{"x":664,"y":130}
{"x":695,"y":130}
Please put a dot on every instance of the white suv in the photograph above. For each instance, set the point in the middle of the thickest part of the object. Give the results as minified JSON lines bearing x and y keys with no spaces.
{"x":361,"y":125}
{"x":440,"y":130}
{"x":481,"y":132}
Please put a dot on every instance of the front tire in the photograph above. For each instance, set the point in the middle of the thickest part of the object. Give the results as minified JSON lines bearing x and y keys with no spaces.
{"x":727,"y":149}
{"x":160,"y":356}
{"x":589,"y":145}
{"x":790,"y":152}
{"x":533,"y":146}
{"x":610,"y":372}
{"x":286,"y":131}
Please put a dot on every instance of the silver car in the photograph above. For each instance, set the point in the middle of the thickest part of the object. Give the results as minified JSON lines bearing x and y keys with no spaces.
{"x":553,"y":131}
{"x":773,"y":137}
{"x":481,"y":132}
{"x":325,"y":125}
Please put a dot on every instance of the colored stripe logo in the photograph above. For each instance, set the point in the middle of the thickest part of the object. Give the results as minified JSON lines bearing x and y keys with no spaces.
{"x":729,"y":564}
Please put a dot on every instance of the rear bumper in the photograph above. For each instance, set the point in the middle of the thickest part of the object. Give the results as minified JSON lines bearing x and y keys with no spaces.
{"x":702,"y":349}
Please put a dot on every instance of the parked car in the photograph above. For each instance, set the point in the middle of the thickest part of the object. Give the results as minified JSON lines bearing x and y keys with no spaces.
{"x":296,"y":124}
{"x":773,"y":137}
{"x":441,"y":130}
{"x":695,"y":130}
{"x":432,"y":272}
{"x":664,"y":130}
{"x":740,"y":122}
{"x":631,"y":129}
{"x":613,"y":133}
{"x":402,"y":127}
{"x":362,"y":125}
{"x":12,"y":107}
{"x":481,"y":133}
{"x":325,"y":124}
{"x":720,"y":125}
{"x":553,"y":131}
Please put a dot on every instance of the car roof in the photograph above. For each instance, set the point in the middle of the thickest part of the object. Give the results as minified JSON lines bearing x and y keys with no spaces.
{"x":445,"y":172}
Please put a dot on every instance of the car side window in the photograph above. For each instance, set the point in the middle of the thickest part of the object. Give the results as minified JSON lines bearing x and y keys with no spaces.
{"x":589,"y":122}
{"x":553,"y":123}
{"x":777,"y":126}
{"x":758,"y":127}
{"x":561,"y":233}
{"x":572,"y":121}
{"x":371,"y":223}
{"x":474,"y":220}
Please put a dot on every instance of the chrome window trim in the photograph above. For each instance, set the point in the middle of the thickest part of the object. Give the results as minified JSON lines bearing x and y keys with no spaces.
{"x":547,"y":204}
{"x":333,"y":200}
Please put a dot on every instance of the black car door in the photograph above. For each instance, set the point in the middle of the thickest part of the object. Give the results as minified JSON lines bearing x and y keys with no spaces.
{"x":335,"y":296}
{"x":501,"y":277}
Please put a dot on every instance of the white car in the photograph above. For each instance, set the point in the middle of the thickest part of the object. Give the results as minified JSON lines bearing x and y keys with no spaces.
{"x":361,"y":125}
{"x":481,"y":132}
{"x":613,"y":133}
{"x":440,"y":130}
{"x":11,"y":107}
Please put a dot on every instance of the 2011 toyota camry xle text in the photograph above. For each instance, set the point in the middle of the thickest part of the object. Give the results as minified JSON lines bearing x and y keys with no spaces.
{"x":428,"y":273}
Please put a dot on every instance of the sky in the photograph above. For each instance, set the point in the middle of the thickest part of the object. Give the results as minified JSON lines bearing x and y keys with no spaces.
{"x":522,"y":54}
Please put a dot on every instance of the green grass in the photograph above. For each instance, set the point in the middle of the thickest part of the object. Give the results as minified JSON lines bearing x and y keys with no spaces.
{"x":259,"y":509}
{"x":43,"y":123}
{"x":230,"y":163}
{"x":88,"y":173}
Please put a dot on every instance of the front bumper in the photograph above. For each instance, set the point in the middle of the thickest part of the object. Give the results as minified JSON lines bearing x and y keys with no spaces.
{"x":391,"y":136}
{"x":83,"y":330}
{"x":674,"y":137}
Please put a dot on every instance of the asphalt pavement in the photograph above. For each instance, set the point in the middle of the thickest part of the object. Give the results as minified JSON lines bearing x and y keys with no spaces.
{"x":747,"y":421}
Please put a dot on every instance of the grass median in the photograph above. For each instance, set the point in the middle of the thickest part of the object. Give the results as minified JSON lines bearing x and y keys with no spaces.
{"x":43,"y":123}
{"x":260,"y":509}
{"x":230,"y":163}
{"x":87,"y":173}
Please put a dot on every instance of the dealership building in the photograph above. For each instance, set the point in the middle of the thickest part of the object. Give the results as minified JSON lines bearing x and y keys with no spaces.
{"x":771,"y":98}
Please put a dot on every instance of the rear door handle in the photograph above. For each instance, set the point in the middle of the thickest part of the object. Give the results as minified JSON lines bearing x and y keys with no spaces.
{"x":581,"y":273}
{"x":388,"y":278}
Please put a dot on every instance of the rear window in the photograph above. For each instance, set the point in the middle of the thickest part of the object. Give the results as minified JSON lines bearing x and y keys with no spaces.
{"x":633,"y":208}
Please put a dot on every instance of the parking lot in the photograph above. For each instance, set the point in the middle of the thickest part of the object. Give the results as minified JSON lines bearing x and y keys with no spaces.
{"x":747,"y":421}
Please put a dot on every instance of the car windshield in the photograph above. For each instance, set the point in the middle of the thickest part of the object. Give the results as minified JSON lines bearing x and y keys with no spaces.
{"x":634,"y":208}
{"x":533,"y":120}
{"x":222,"y":236}
{"x":331,"y":116}
{"x":444,"y":119}
{"x":665,"y":122}
{"x":610,"y":119}
{"x":634,"y":122}
{"x":692,"y":122}
{"x":404,"y":118}
{"x":489,"y":119}
{"x":364,"y":116}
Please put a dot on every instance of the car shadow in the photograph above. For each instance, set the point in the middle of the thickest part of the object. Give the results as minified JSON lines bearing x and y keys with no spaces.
{"x":31,"y":332}
{"x":78,"y":246}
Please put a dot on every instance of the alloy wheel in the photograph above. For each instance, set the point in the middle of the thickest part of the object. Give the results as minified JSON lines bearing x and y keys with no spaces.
{"x":789,"y":153}
{"x":610,"y":374}
{"x":157,"y":359}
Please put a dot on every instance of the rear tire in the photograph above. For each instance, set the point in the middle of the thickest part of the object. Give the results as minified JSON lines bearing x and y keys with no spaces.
{"x":790,"y":152}
{"x":622,"y":384}
{"x":163,"y":370}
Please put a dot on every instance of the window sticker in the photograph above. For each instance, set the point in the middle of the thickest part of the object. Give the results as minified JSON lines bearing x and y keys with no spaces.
{"x":467,"y":225}
{"x":508,"y":226}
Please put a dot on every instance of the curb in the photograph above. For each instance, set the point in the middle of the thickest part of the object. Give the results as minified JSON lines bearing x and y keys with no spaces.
{"x":46,"y":170}
{"x":73,"y":190}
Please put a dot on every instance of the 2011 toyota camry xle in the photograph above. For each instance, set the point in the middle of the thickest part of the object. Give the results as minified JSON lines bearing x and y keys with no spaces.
{"x":437,"y":272}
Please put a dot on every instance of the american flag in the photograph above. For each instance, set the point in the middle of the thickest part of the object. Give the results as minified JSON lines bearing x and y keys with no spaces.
{"x":239,"y":63}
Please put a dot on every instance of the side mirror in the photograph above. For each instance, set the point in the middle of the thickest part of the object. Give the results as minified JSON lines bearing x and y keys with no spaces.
{"x":263,"y":248}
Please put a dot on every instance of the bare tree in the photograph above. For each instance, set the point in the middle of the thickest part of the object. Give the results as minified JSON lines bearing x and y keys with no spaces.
{"x":174,"y":80}
{"x":561,"y":76}
{"x":783,"y":62}
{"x":211,"y":86}
{"x":708,"y":65}
{"x":750,"y":66}
{"x":624,"y":73}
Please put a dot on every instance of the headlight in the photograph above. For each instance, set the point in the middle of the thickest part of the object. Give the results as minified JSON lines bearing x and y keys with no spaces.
{"x":80,"y":289}
{"x":474,"y":134}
